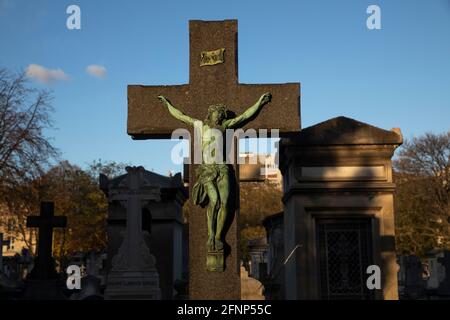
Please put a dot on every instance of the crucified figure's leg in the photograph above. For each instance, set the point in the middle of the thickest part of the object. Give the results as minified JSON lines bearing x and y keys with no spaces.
{"x":224,"y":191}
{"x":211,"y":211}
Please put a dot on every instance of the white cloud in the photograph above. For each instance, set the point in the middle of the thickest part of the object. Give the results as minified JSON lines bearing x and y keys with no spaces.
{"x":45,"y":75}
{"x":96,"y":71}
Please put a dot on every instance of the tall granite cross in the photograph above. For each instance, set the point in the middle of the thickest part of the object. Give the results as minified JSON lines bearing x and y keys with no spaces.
{"x":213,"y":78}
{"x":44,"y":268}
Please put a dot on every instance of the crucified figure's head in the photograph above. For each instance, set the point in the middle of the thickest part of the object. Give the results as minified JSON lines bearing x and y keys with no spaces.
{"x":216,"y":114}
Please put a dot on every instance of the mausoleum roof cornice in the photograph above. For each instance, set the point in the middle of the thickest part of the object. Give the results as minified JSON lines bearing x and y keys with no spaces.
{"x":344,"y":131}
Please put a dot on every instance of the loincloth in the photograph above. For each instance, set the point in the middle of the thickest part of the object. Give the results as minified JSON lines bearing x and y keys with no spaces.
{"x":206,"y":173}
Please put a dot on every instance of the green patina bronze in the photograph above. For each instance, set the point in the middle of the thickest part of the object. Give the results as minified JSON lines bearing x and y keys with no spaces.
{"x":213,"y":186}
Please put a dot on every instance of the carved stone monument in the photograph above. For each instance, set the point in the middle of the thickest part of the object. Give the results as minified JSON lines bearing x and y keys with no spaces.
{"x":213,"y":80}
{"x":133,"y":273}
{"x":339,"y":208}
{"x":162,"y":223}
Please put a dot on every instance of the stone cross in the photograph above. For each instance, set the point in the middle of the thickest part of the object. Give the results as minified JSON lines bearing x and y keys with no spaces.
{"x":2,"y":243}
{"x":44,"y":268}
{"x":133,"y":273}
{"x":133,"y":193}
{"x":213,"y":79}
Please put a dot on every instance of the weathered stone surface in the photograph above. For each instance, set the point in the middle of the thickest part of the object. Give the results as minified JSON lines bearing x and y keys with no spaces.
{"x":163,"y":222}
{"x":208,"y":85}
{"x":345,"y":131}
{"x":147,"y":118}
{"x":338,"y":176}
{"x":133,"y":274}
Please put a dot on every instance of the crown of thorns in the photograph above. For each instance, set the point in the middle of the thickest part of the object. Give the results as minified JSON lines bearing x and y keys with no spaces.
{"x":220,"y":108}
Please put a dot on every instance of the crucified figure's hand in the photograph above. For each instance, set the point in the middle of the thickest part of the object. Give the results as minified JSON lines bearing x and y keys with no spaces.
{"x":175,"y":112}
{"x":163,"y":99}
{"x":265,"y":98}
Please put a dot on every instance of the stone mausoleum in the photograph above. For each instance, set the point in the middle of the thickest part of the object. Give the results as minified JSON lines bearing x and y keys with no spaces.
{"x":339,"y":210}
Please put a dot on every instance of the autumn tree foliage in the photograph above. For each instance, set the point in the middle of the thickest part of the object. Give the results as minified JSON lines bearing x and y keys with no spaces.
{"x":77,"y":196}
{"x":423,"y":194}
{"x":257,"y":201}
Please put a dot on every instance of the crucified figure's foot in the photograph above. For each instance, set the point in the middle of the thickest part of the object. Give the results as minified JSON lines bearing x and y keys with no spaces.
{"x":219,"y":245}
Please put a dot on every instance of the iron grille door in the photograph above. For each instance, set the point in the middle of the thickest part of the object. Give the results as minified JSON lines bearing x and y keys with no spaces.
{"x":345,"y":252}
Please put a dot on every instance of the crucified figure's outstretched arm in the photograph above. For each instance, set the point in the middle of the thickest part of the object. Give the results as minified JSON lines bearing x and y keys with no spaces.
{"x":249,"y":113}
{"x":177,"y":113}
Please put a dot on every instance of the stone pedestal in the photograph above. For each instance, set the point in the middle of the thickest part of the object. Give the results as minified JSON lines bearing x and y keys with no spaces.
{"x":339,"y":210}
{"x":215,"y":261}
{"x":133,"y":279}
{"x":129,"y":285}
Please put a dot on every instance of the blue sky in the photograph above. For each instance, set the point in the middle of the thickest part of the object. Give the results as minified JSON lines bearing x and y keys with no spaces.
{"x":398,"y":76}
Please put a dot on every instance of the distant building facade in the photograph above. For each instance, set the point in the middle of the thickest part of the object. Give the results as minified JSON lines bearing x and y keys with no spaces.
{"x":14,"y":233}
{"x":254,"y":167}
{"x":259,"y":167}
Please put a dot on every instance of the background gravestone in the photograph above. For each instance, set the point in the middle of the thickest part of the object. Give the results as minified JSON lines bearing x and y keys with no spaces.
{"x":133,"y":273}
{"x":162,"y":223}
{"x":43,"y":282}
